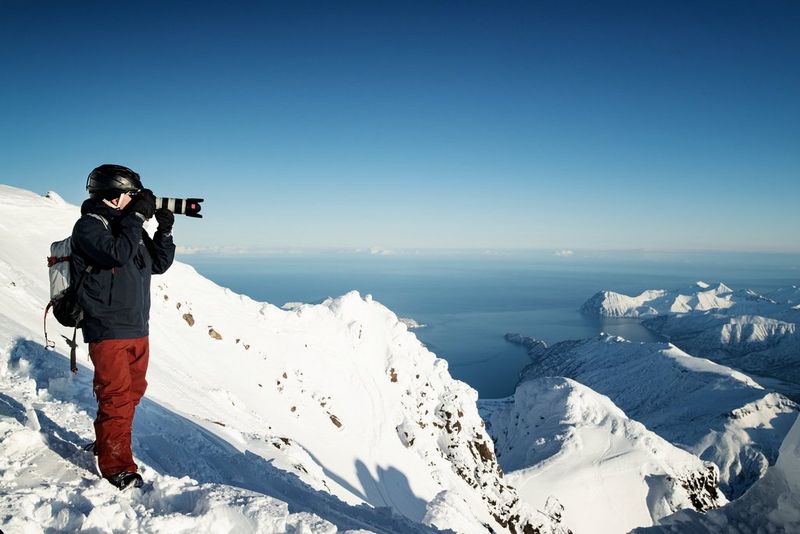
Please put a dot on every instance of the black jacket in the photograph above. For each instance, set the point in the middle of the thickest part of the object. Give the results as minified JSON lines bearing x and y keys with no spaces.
{"x":115,"y":294}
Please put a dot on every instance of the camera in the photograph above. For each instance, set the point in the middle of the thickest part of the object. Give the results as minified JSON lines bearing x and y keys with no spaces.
{"x":181,"y":206}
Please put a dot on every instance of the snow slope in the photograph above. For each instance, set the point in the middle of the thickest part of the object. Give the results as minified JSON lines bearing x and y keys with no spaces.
{"x":742,"y":329}
{"x":716,"y":413}
{"x":771,"y":505}
{"x":558,"y":437}
{"x":333,"y":411}
{"x":753,"y":343}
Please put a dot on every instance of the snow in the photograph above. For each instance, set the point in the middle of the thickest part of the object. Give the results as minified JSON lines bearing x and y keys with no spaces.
{"x":699,"y":297}
{"x":411,"y":324}
{"x":786,"y":295}
{"x":754,"y":333}
{"x":742,"y":329}
{"x":715,"y":412}
{"x":771,"y":505}
{"x":320,"y":418}
{"x":755,"y":344}
{"x":558,"y":437}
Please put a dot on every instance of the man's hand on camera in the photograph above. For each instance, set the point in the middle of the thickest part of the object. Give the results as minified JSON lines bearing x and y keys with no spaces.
{"x":166,"y":220}
{"x":144,"y":202}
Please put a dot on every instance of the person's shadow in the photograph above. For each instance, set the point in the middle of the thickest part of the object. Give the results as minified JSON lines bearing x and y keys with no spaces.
{"x":390,"y":487}
{"x":173,"y":445}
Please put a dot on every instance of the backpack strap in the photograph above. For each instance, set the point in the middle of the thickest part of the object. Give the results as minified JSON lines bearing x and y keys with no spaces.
{"x":48,"y":344}
{"x":73,"y":358}
{"x":99,"y":218}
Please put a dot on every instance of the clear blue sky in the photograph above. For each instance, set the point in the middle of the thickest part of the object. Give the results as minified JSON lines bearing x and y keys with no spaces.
{"x":642,"y":124}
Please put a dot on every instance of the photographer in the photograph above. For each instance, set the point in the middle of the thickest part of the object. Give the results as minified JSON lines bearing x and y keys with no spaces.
{"x":117,"y":257}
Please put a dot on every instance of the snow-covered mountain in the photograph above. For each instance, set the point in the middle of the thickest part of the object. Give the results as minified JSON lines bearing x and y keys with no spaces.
{"x":786,"y":295}
{"x":699,"y":297}
{"x":742,"y":329}
{"x":716,"y":413}
{"x":771,"y":505}
{"x":558,"y":437}
{"x":753,"y":343}
{"x":321,"y":417}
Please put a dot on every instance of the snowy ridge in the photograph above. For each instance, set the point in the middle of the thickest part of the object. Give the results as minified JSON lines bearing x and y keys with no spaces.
{"x":754,"y":344}
{"x":771,"y":505}
{"x":329,"y":416}
{"x":718,"y":414}
{"x":558,"y":437}
{"x":698,"y":297}
{"x":742,"y":329}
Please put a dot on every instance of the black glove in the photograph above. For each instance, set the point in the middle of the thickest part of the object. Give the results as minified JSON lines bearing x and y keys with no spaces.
{"x":166,"y":220}
{"x":144,"y":202}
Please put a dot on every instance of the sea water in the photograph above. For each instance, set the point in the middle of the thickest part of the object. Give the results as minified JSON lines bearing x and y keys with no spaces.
{"x":468,"y":302}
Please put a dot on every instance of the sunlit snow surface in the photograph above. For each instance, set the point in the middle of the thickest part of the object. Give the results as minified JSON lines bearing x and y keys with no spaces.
{"x":719,"y":414}
{"x":257,"y":419}
{"x":558,"y":437}
{"x":771,"y":505}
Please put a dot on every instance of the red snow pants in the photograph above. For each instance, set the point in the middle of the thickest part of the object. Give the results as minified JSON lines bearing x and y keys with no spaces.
{"x":119,"y":383}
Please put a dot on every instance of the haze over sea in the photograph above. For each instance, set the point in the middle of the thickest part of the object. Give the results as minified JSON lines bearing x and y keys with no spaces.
{"x":469,"y":301}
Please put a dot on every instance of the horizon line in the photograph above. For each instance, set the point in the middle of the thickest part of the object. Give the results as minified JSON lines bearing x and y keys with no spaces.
{"x":561,"y":253}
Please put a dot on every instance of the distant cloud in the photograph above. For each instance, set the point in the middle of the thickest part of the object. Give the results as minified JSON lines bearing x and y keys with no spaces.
{"x":564,"y":252}
{"x":375,"y":251}
{"x":188,"y":250}
{"x":236,"y":251}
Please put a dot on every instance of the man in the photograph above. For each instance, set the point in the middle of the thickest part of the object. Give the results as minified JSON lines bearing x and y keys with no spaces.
{"x":117,"y":256}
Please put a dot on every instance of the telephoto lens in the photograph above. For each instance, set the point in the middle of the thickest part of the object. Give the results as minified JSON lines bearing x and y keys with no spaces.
{"x":182,"y":206}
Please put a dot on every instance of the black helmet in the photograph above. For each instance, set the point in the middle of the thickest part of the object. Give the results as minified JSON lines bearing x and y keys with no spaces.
{"x":109,"y":181}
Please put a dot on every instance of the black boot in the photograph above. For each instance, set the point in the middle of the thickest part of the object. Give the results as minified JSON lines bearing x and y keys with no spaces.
{"x":125,"y":479}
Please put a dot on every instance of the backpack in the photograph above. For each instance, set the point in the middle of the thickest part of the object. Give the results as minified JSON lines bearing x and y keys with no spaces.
{"x":64,"y":294}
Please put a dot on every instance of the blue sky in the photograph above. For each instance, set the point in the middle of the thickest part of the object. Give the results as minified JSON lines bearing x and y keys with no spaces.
{"x":564,"y":125}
